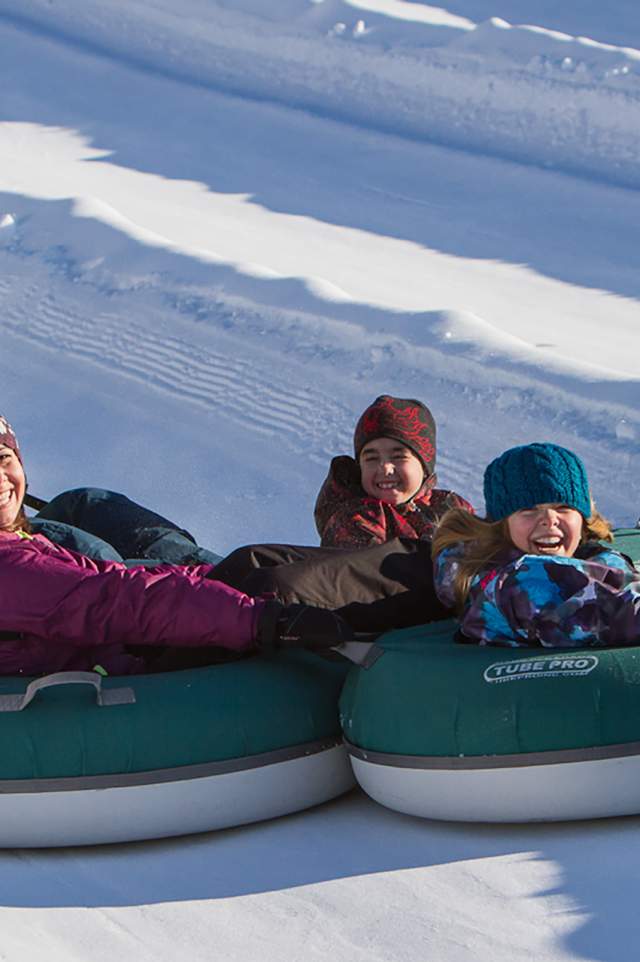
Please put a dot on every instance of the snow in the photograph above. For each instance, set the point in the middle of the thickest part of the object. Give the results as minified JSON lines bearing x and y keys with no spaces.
{"x":225,"y":227}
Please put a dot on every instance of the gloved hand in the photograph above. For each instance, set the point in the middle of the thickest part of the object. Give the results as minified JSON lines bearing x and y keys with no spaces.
{"x":301,"y":626}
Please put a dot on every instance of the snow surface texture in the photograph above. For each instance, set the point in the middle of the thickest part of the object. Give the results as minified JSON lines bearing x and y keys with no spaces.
{"x":525,"y":92}
{"x":224,"y":229}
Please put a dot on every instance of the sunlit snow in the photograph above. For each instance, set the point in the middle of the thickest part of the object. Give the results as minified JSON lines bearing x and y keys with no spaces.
{"x":225,"y":227}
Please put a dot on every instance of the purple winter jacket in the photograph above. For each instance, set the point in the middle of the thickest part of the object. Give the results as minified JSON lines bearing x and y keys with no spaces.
{"x":60,"y":610}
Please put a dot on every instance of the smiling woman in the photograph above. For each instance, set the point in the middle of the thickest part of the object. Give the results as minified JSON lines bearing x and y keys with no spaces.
{"x":64,"y":611}
{"x":13,"y":483}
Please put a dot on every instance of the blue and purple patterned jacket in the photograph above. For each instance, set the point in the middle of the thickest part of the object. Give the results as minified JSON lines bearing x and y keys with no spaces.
{"x":591,"y":599}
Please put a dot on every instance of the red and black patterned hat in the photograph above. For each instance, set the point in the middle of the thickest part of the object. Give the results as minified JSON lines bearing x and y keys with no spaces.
{"x":404,"y":419}
{"x":8,"y":438}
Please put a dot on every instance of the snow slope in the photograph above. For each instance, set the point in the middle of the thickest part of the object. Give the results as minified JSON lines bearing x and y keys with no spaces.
{"x":521,"y":91}
{"x":224,"y":228}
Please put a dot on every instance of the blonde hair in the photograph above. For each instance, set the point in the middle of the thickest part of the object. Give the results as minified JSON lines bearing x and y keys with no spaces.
{"x":484,"y":541}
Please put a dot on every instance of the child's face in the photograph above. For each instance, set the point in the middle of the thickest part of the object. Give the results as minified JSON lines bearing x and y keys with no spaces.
{"x":390,"y":471}
{"x":548,"y":529}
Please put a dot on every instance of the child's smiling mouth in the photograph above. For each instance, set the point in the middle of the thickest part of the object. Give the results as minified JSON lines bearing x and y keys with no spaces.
{"x":549,"y":544}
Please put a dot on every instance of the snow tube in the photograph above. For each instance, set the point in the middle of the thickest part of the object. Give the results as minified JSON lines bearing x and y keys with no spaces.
{"x":491,"y":734}
{"x":87,"y":760}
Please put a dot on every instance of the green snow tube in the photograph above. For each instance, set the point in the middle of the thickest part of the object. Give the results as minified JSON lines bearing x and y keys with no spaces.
{"x":86,"y":760}
{"x":464,"y":732}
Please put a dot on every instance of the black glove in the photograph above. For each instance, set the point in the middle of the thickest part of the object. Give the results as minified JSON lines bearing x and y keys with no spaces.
{"x":300,"y":626}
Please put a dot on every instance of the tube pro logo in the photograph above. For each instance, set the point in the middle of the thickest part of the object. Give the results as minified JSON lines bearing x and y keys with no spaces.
{"x":551,"y":667}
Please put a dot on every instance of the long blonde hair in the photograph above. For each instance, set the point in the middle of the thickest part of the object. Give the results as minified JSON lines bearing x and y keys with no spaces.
{"x":485,"y":540}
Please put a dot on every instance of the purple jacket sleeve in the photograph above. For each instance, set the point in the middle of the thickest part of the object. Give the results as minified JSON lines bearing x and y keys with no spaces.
{"x":57,"y":595}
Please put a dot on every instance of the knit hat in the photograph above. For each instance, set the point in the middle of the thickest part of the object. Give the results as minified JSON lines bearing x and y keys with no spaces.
{"x":404,"y":419}
{"x":535,"y":474}
{"x":8,"y":438}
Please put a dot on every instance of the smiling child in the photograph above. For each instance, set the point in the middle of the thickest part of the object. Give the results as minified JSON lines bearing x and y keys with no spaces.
{"x":535,"y":571}
{"x":389,"y":489}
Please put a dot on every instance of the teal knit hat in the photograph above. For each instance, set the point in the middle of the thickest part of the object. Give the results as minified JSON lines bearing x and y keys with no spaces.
{"x":535,"y":474}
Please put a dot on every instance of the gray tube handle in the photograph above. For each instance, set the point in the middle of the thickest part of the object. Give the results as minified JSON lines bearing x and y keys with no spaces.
{"x":362,"y":653}
{"x":108,"y":696}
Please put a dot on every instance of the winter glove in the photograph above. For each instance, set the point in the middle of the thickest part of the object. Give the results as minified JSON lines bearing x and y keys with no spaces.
{"x":301,"y":626}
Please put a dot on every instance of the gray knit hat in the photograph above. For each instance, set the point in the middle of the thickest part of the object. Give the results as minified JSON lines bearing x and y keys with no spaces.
{"x":535,"y":474}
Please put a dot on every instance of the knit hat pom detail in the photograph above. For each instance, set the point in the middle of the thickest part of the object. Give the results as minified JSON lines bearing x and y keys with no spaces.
{"x":532,"y":474}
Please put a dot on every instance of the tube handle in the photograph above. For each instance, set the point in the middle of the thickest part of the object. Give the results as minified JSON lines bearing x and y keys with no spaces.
{"x":104,"y":697}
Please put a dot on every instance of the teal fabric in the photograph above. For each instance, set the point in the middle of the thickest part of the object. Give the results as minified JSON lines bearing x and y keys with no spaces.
{"x":627,"y":540}
{"x":211,"y":714}
{"x":427,"y":696}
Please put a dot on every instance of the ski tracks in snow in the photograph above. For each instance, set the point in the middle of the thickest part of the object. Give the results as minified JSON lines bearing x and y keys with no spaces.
{"x":298,"y":380}
{"x":268,"y":392}
{"x":260,"y":394}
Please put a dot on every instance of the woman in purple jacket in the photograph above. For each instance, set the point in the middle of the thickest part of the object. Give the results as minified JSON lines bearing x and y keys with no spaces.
{"x":60,"y":610}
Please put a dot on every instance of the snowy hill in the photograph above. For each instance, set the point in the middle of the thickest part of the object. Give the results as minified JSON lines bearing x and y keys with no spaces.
{"x":225,"y":227}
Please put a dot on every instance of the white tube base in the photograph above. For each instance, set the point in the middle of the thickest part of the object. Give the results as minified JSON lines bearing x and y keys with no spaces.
{"x":529,"y":793}
{"x":125,"y":813}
